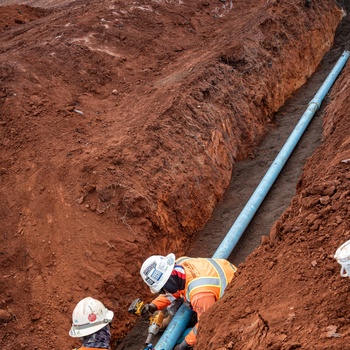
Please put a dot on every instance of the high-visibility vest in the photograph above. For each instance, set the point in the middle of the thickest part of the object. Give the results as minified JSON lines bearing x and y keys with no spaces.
{"x":206,"y":275}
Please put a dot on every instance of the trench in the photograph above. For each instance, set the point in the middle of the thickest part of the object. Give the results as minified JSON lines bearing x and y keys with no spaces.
{"x":247,"y":175}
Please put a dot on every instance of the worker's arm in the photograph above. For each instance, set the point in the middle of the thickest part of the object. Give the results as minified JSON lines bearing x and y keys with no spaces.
{"x":164,"y":300}
{"x":200,"y":303}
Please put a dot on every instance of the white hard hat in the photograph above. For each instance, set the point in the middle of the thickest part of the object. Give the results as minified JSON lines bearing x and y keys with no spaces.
{"x":156,"y":270}
{"x":89,"y":316}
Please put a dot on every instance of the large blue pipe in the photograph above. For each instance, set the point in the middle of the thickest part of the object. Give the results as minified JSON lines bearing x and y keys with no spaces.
{"x":181,"y":319}
{"x":241,"y":223}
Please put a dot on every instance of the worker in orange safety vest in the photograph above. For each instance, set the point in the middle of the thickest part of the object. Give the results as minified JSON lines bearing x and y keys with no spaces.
{"x":199,"y":281}
{"x":91,"y":324}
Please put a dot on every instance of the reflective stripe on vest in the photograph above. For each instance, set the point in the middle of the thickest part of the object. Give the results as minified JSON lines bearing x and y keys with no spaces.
{"x":219,"y":282}
{"x":222,"y":275}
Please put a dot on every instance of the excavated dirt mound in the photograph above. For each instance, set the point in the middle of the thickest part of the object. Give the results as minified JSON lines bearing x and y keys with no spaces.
{"x":116,"y":118}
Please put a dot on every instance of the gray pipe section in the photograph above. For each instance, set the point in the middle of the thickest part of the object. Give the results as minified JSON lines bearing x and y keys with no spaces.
{"x":179,"y":322}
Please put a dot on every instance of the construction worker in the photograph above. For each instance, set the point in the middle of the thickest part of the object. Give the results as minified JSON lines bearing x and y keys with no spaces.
{"x":198,"y":281}
{"x":91,"y":324}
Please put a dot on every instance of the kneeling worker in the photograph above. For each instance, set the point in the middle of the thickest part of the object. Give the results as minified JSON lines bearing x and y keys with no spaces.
{"x":199,"y":281}
{"x":91,"y":324}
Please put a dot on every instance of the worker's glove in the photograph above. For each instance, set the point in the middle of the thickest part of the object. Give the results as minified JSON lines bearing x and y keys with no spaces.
{"x":182,"y":346}
{"x":147,"y":310}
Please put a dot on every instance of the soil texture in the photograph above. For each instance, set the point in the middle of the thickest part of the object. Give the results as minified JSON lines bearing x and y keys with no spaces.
{"x":136,"y":128}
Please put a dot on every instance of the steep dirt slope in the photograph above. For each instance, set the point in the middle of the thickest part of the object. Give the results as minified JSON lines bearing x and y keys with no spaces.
{"x":115,"y":119}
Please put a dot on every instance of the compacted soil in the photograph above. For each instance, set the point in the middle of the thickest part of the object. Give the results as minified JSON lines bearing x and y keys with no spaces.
{"x":136,"y":128}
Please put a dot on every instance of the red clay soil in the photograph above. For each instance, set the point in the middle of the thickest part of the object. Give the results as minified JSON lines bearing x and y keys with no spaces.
{"x":116,"y":118}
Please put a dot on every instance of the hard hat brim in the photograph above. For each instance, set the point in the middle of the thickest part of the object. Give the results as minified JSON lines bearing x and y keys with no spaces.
{"x":78,"y":333}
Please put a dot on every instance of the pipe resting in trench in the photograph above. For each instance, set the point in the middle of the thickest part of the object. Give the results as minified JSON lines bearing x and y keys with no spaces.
{"x":179,"y":322}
